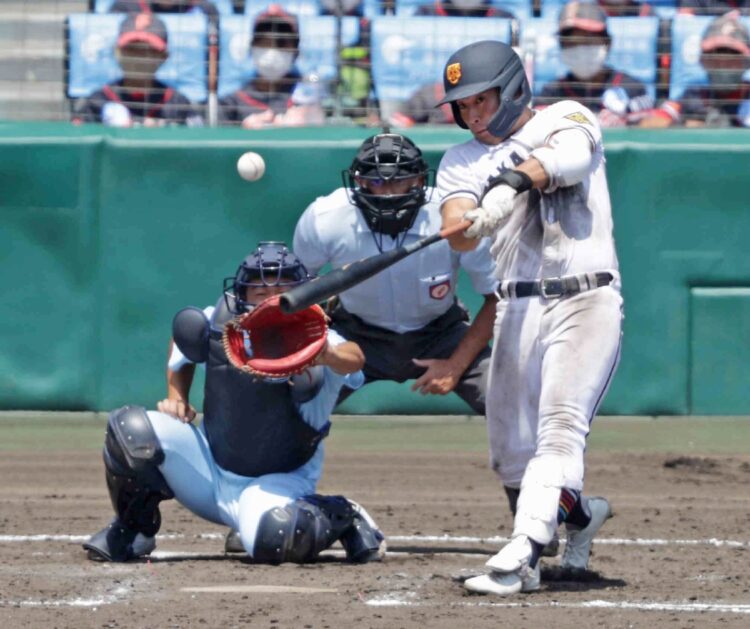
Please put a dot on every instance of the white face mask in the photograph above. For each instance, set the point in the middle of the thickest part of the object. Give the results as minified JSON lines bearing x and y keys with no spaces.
{"x":272,"y":63}
{"x":584,"y":61}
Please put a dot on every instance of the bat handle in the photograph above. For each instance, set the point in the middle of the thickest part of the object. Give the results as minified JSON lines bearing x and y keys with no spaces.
{"x":454,"y":229}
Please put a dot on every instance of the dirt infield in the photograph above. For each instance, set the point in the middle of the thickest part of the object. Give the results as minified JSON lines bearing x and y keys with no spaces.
{"x":675,"y":554}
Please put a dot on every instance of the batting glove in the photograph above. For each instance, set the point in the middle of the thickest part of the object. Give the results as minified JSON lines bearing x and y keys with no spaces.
{"x":497,"y":206}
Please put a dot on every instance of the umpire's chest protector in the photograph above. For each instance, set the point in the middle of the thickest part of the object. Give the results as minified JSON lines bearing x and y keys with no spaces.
{"x":253,"y":427}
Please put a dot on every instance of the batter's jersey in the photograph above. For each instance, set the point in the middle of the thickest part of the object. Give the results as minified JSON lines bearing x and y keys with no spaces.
{"x":561,"y":231}
{"x":405,"y":296}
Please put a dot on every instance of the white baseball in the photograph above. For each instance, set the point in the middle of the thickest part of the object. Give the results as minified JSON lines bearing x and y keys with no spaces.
{"x":251,"y":166}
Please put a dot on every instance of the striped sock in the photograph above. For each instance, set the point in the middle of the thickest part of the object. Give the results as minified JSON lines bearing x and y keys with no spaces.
{"x":571,"y":509}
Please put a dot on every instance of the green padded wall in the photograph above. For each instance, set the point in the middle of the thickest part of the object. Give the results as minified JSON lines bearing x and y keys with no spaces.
{"x":107,"y":233}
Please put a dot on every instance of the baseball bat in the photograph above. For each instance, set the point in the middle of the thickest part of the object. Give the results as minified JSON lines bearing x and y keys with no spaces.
{"x":335,"y":282}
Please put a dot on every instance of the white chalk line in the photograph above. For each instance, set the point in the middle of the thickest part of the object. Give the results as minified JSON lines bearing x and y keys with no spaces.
{"x":436,"y":539}
{"x":734,"y":608}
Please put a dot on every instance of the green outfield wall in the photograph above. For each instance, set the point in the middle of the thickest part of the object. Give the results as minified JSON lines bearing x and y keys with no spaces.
{"x":105,"y":234}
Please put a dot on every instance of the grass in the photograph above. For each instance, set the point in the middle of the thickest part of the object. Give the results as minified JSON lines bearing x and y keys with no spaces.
{"x":684,"y":435}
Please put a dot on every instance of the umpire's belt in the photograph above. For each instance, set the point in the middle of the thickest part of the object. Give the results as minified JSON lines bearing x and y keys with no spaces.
{"x":553,"y":287}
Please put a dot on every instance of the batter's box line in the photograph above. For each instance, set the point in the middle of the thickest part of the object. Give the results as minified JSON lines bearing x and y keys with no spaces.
{"x":433,"y":539}
{"x":733,"y":608}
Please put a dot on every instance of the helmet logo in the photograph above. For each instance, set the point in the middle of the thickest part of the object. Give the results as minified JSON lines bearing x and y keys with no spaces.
{"x":453,"y":73}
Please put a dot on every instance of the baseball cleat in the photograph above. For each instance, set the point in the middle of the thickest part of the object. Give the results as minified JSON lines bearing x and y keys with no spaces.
{"x":511,"y":572}
{"x":364,"y":541}
{"x":504,"y":583}
{"x":578,"y":544}
{"x":233,"y":542}
{"x":118,"y":543}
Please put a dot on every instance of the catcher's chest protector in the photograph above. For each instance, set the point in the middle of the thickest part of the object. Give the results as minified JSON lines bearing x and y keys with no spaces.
{"x":253,"y":427}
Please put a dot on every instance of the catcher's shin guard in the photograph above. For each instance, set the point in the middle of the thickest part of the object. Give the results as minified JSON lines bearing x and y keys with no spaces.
{"x":136,"y":486}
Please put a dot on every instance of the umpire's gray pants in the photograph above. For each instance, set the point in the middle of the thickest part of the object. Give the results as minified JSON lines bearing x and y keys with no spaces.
{"x":388,"y":355}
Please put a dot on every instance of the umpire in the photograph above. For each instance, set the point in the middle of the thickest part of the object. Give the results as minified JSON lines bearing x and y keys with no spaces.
{"x":406,"y":319}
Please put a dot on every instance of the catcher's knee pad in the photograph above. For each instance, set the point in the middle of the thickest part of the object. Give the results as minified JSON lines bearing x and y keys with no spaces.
{"x":132,"y":454}
{"x":301,"y":530}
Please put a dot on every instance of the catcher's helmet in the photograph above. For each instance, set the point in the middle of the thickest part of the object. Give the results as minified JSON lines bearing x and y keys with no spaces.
{"x":383,"y":158}
{"x":481,"y":66}
{"x":271,"y":264}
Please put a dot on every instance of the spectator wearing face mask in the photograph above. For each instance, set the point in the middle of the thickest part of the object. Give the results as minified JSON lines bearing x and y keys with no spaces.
{"x":725,"y":100}
{"x":276,"y":95}
{"x":463,"y":8}
{"x":617,"y":98}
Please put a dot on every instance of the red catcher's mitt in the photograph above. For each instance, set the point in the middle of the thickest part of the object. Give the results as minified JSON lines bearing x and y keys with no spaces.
{"x":282,"y":344}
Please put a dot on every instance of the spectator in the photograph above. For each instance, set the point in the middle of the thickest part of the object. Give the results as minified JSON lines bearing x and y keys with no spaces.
{"x":626,"y":8}
{"x":168,"y":6}
{"x":713,"y":7}
{"x":725,"y":101}
{"x":615,"y":97}
{"x":421,"y":108}
{"x":463,"y":8}
{"x":139,"y":98}
{"x":276,"y":95}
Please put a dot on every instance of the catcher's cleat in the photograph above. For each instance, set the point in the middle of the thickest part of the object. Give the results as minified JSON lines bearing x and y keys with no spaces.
{"x":578,"y":544}
{"x":117,"y":543}
{"x":233,"y":542}
{"x":511,"y":572}
{"x":364,"y":541}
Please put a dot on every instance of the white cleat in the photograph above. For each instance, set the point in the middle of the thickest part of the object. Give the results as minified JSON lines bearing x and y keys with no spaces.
{"x":504,"y":584}
{"x":511,"y":572}
{"x":578,"y":544}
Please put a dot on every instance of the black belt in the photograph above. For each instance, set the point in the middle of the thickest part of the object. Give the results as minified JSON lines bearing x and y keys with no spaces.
{"x":554,"y":287}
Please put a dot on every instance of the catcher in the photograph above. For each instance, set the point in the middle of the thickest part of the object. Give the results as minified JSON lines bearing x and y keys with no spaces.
{"x":254,"y":461}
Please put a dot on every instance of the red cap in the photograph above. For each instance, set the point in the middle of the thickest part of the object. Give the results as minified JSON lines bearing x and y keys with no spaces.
{"x":143,"y":27}
{"x":727,"y":31}
{"x":584,"y":15}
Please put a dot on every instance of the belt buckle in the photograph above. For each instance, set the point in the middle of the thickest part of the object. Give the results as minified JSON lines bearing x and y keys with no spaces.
{"x":551,"y":288}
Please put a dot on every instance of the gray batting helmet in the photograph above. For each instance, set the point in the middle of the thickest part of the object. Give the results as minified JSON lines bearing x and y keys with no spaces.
{"x":479,"y":67}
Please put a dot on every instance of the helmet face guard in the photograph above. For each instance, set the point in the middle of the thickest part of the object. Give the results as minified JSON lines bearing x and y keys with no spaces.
{"x":481,"y":66}
{"x":271,"y":264}
{"x":385,"y":158}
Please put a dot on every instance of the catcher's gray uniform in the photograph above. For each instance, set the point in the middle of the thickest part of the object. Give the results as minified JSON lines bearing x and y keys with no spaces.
{"x":553,"y":357}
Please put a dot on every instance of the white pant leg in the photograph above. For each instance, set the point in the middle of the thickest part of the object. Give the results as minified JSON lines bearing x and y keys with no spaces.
{"x":580,"y":344}
{"x":188,"y":465}
{"x":265,"y":493}
{"x":513,"y":388}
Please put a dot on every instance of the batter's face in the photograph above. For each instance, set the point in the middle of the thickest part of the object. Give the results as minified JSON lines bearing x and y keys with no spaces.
{"x":477,"y":111}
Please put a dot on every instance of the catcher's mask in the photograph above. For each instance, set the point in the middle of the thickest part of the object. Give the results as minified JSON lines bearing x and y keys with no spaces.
{"x":271,"y":264}
{"x":385,"y":158}
{"x":479,"y":67}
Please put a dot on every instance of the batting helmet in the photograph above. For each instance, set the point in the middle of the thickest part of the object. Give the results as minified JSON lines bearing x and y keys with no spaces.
{"x":271,"y":264}
{"x":383,"y":158}
{"x":481,"y":66}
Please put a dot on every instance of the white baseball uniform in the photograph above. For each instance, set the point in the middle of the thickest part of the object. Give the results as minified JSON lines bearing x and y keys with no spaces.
{"x":552,"y":358}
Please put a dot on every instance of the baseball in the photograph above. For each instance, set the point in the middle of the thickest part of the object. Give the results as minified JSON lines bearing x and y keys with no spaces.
{"x":251,"y":166}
